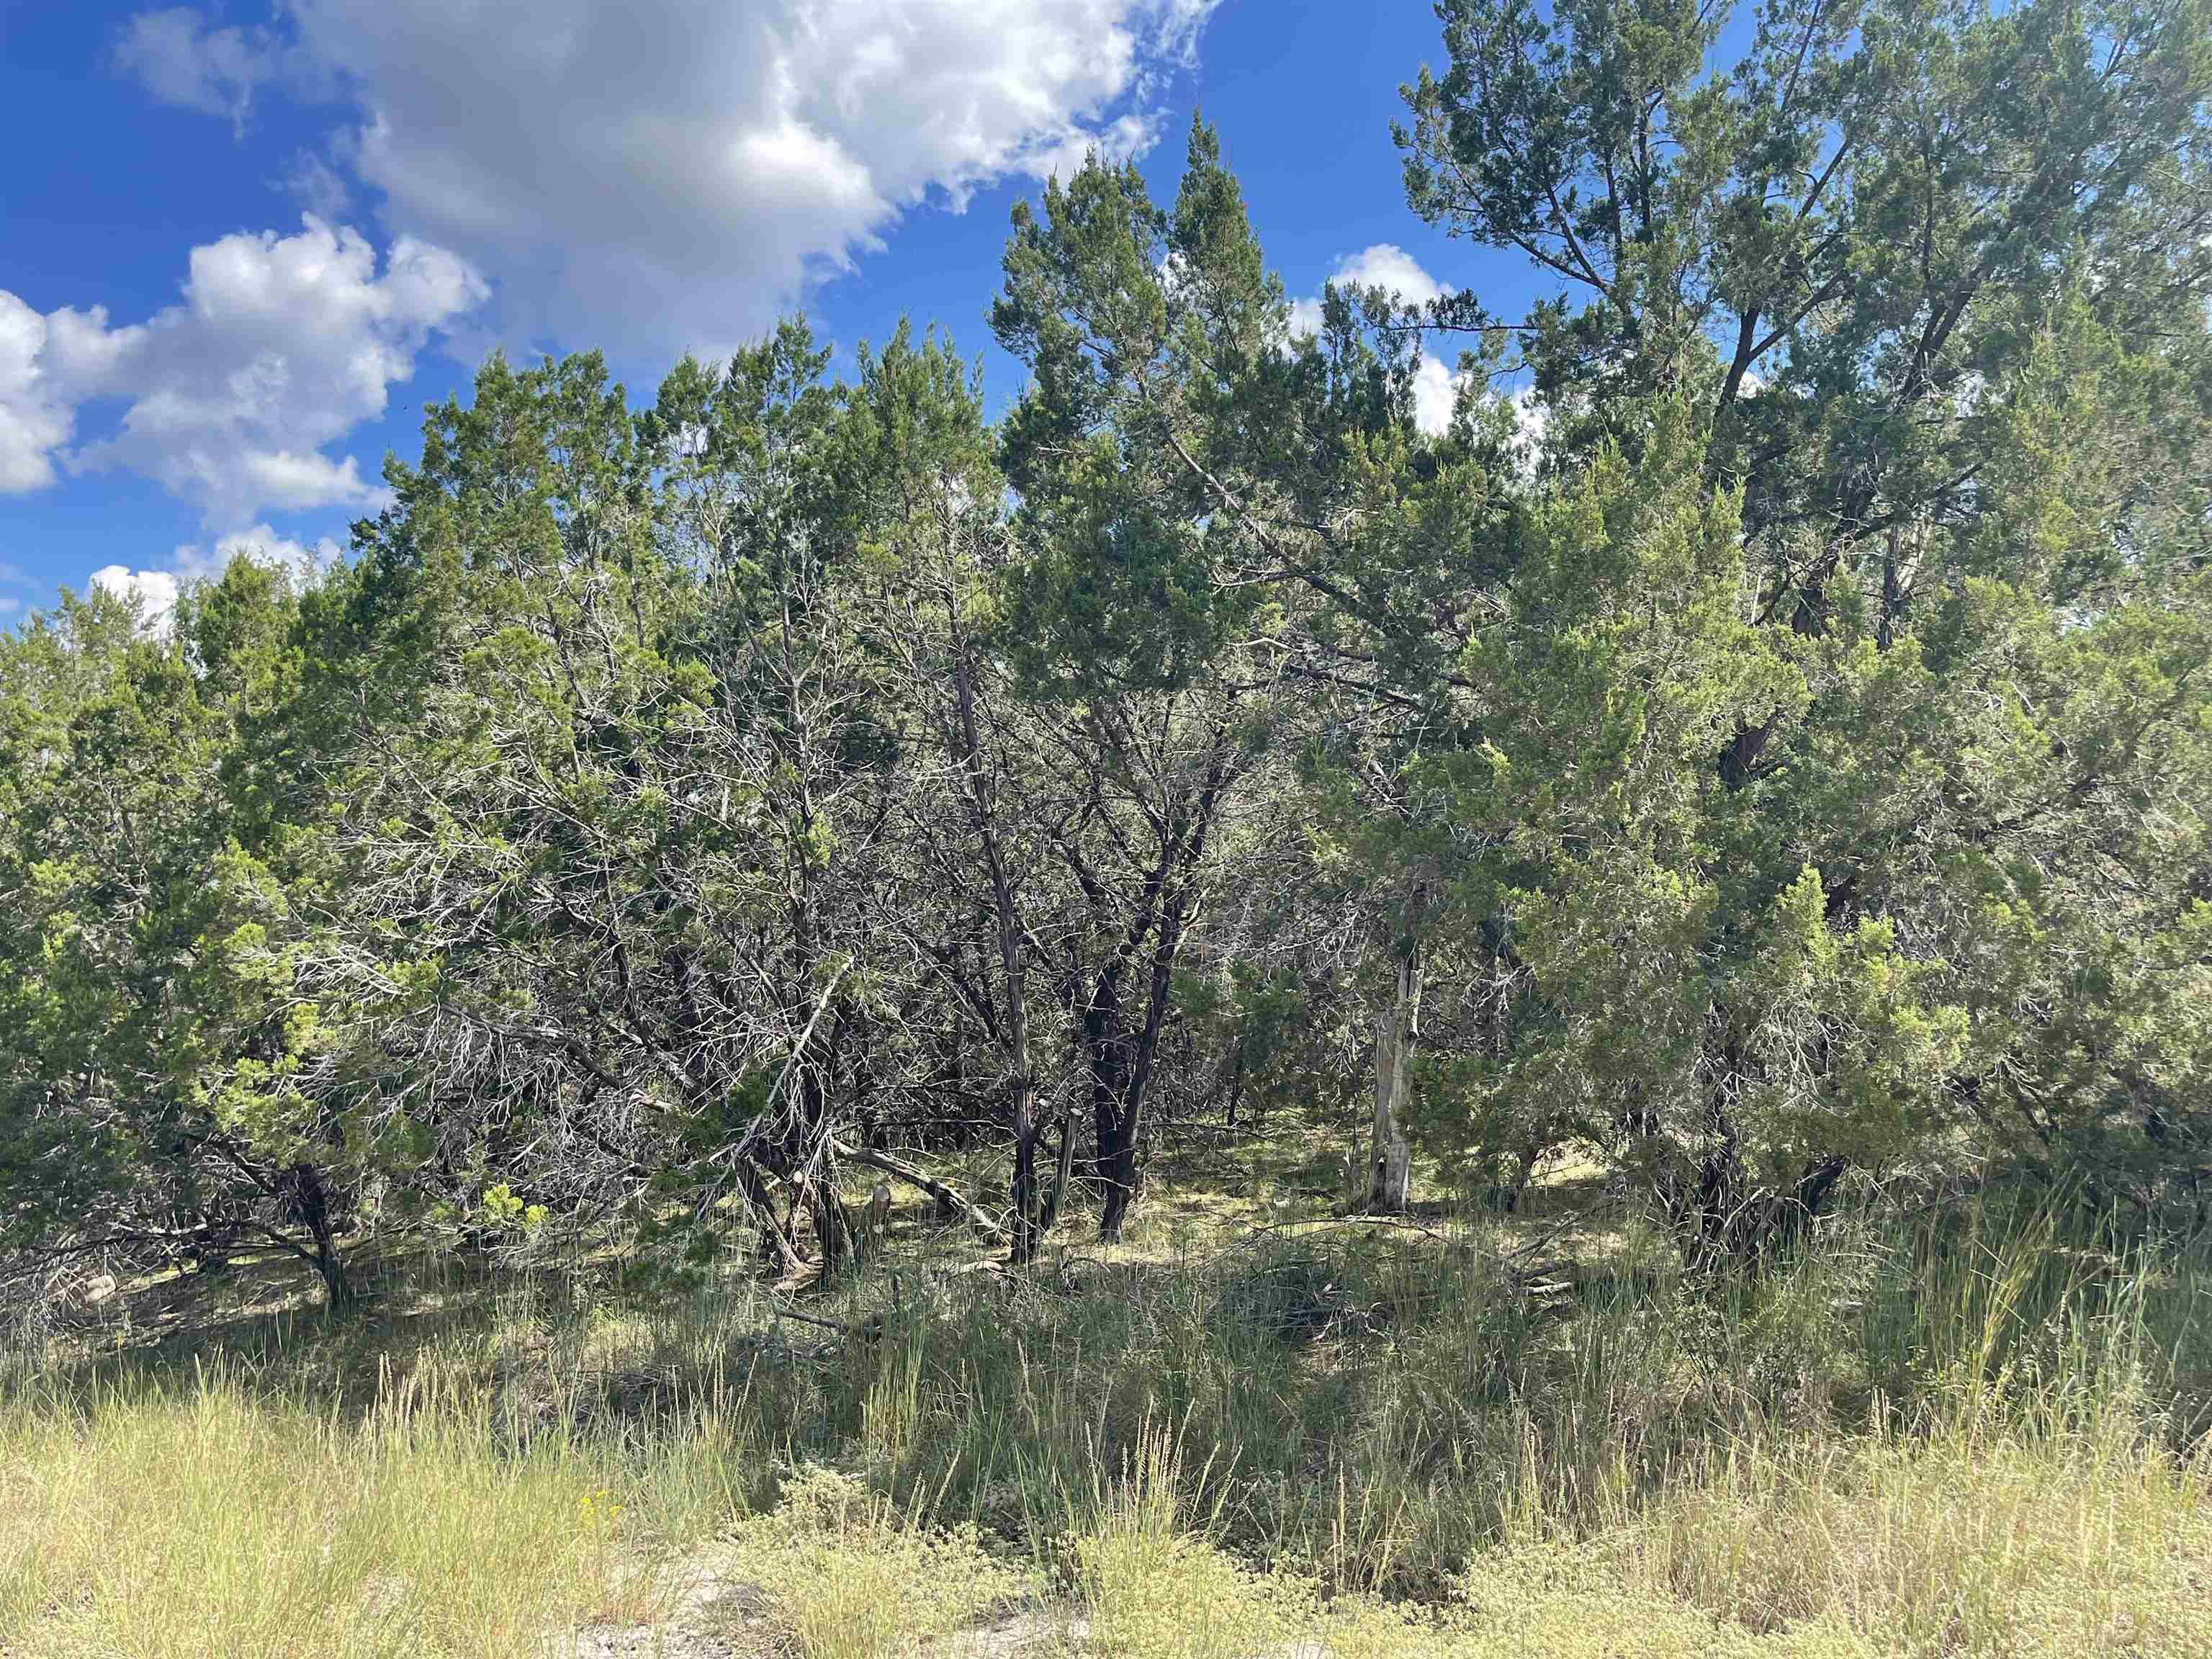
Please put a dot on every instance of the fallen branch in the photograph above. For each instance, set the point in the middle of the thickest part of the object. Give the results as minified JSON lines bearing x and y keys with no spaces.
{"x":947,"y":1196}
{"x":783,"y":1312}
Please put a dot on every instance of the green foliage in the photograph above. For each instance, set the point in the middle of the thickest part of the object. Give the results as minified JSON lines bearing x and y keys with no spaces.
{"x":1865,"y":851}
{"x":1792,"y":766}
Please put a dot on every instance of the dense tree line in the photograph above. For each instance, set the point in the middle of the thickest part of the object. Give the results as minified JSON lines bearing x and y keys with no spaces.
{"x":1775,"y":743}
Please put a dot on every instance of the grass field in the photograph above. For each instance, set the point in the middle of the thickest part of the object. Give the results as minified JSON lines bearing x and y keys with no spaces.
{"x":1248,"y":1432}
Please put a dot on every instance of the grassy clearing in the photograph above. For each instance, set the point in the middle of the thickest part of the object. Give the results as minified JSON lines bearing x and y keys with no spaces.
{"x":1982,"y":1438}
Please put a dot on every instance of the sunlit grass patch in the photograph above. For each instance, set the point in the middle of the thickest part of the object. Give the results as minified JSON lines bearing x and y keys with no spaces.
{"x":853,"y":1579}
{"x":1996,"y":1546}
{"x":209,"y":1519}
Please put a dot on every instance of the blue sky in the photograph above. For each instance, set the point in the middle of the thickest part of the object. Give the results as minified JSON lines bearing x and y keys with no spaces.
{"x":188,"y":363}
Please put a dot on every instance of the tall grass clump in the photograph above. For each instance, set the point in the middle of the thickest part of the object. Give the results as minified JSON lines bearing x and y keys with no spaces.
{"x":156,"y":1518}
{"x":855,"y":1578}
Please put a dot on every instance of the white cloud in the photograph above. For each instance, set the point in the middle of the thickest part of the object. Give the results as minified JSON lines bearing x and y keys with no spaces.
{"x":183,"y":59}
{"x":676,"y":173}
{"x":35,"y":418}
{"x":263,"y":545}
{"x":1388,"y":266}
{"x":1384,"y":265}
{"x":9,"y":604}
{"x":156,"y":591}
{"x":318,"y":186}
{"x":1435,"y":392}
{"x":1532,"y":422}
{"x":281,"y":346}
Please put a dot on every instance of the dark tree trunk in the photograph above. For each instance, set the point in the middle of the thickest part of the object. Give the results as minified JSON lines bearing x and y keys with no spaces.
{"x":1724,"y":1219}
{"x":1064,"y":1176}
{"x":833,"y":1228}
{"x":1739,"y":762}
{"x":1121,"y":1062}
{"x":1118,"y":1171}
{"x":1120,"y":1071}
{"x":1028,"y":1221}
{"x":1106,"y":1045}
{"x":1029,"y":1224}
{"x":309,"y":1200}
{"x":777,"y":1246}
{"x":1808,"y":1202}
{"x":1121,"y":1113}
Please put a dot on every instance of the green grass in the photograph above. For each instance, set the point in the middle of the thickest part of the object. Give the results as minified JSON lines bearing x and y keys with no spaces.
{"x":212,"y":1517}
{"x":1978,"y":1435}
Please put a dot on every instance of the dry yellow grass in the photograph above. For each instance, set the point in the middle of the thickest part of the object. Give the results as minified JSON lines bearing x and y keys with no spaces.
{"x":211,"y":1521}
{"x":174,"y":1525}
{"x":1977,"y":1443}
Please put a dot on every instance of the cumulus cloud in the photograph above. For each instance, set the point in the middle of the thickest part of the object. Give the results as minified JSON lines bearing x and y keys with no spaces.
{"x":193,"y":562}
{"x":153,"y":591}
{"x":676,"y":173}
{"x":281,"y":346}
{"x":1389,"y":267}
{"x":1437,"y":384}
{"x":156,"y":591}
{"x":1532,"y":423}
{"x":1385,"y":265}
{"x":1435,"y":394}
{"x":35,"y":415}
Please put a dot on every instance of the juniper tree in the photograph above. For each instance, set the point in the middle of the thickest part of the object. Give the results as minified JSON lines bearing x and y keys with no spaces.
{"x":1929,"y":283}
{"x":159,"y":1039}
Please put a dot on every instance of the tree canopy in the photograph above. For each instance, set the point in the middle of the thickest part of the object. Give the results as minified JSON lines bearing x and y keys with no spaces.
{"x":1765,"y":741}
